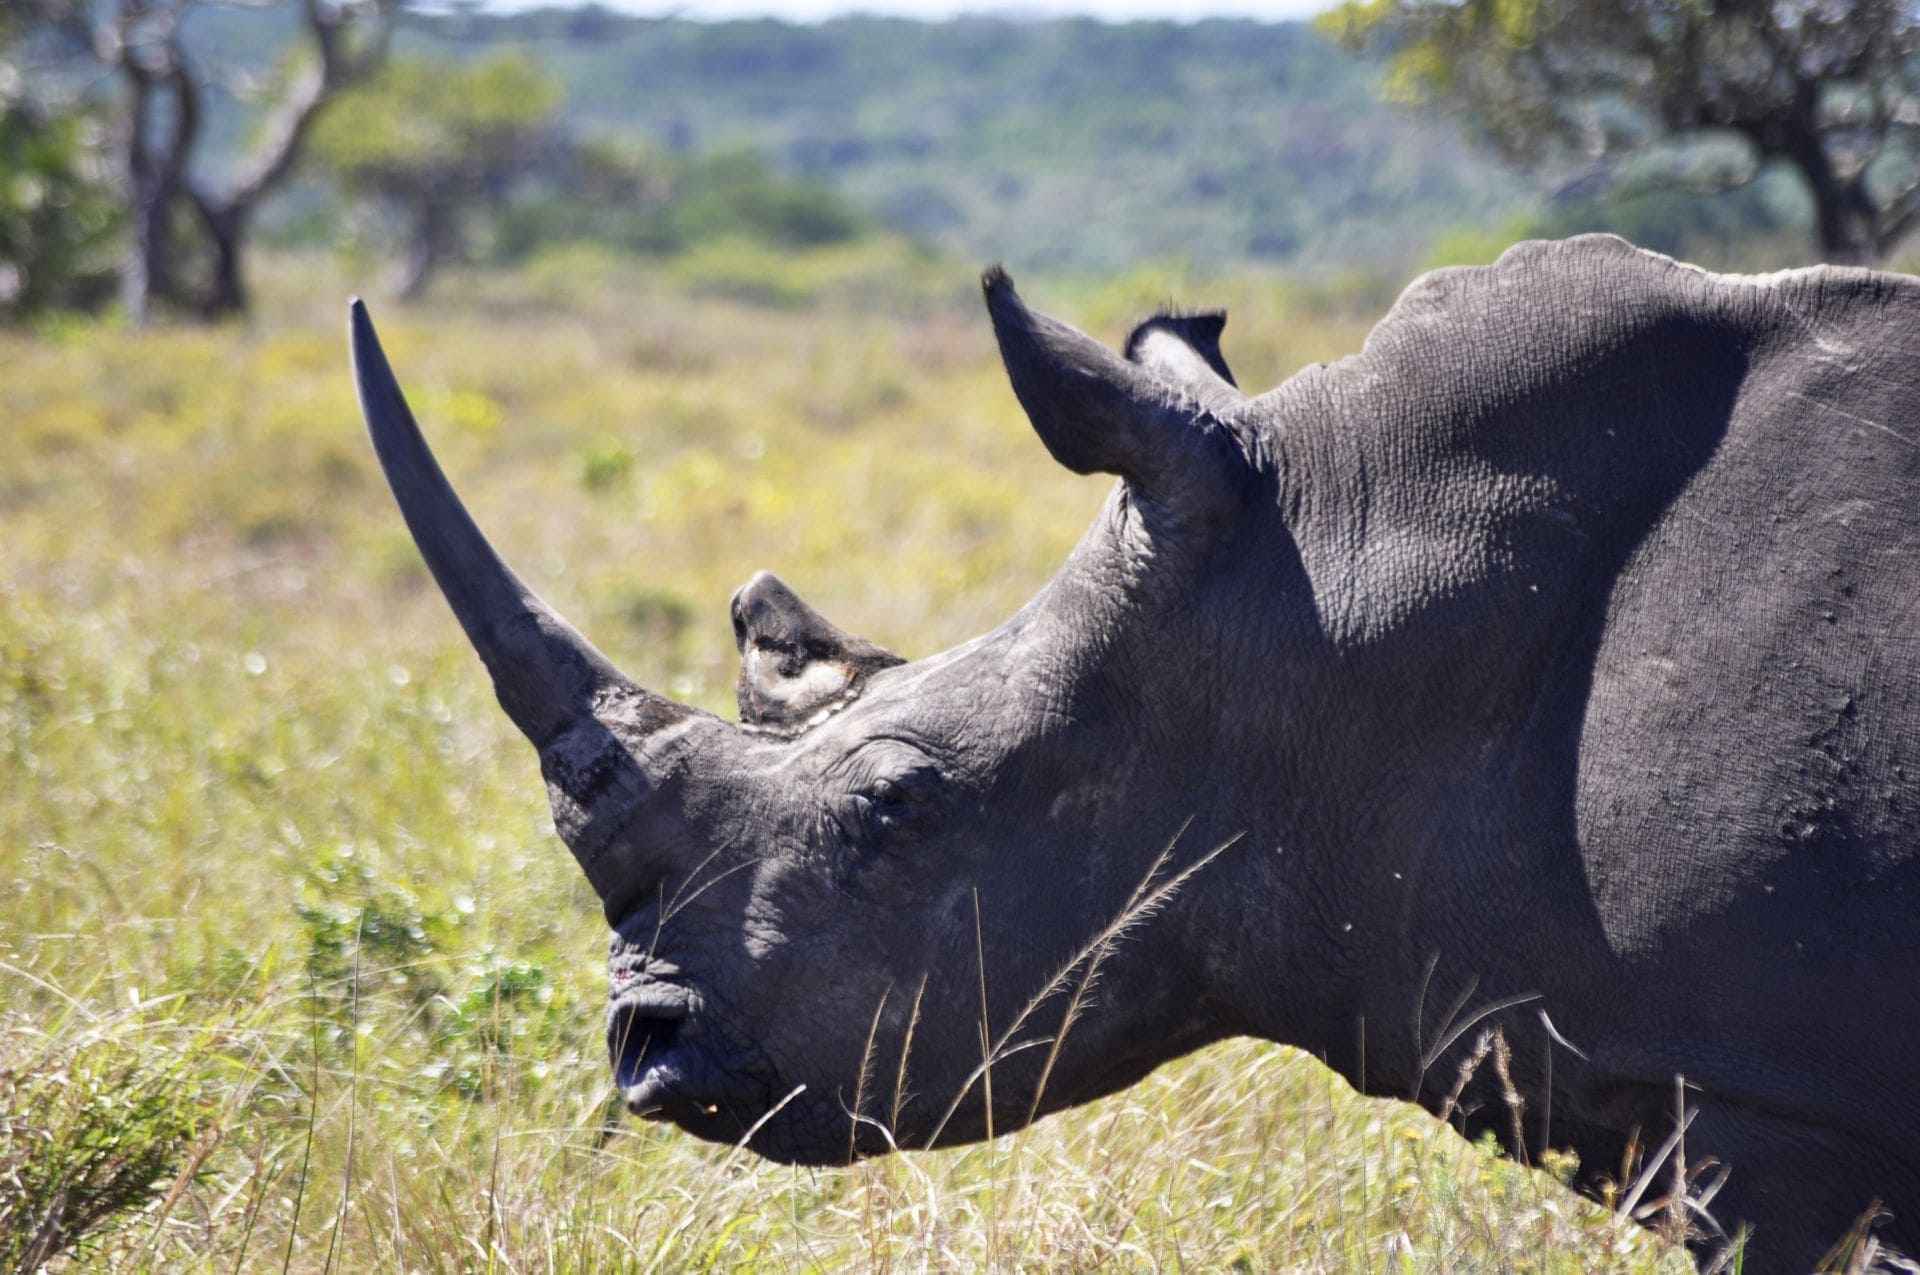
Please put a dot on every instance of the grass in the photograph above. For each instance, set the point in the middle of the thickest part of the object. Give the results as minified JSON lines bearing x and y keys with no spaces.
{"x":293,"y":974}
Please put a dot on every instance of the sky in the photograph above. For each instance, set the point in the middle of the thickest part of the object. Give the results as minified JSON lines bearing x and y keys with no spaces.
{"x":815,"y":10}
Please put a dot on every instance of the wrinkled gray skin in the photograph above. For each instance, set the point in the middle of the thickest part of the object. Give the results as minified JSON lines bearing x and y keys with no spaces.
{"x":1559,"y":646}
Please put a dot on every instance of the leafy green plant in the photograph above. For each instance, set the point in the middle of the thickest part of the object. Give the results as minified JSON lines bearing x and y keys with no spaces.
{"x":510,"y":1018}
{"x":91,"y":1131}
{"x":58,"y":217}
{"x":359,"y":927}
{"x":605,"y":465}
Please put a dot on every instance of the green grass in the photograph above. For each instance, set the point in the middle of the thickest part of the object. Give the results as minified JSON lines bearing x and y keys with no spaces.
{"x":289,"y":957}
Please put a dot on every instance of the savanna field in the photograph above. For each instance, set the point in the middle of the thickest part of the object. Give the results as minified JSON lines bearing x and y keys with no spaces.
{"x":293,"y":972}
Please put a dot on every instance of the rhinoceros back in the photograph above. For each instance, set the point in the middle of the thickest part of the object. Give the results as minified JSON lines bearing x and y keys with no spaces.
{"x":1748,"y":792}
{"x":1624,"y":561}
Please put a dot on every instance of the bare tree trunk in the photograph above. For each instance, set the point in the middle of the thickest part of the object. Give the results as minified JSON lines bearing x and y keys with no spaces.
{"x":157,"y":147}
{"x":226,"y":230}
{"x":140,"y":39}
{"x":1846,"y":222}
{"x":146,"y":245}
{"x":228,"y":219}
{"x":144,"y":274}
{"x":428,"y":249}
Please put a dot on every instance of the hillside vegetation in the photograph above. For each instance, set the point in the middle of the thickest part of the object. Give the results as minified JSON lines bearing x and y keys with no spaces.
{"x":292,"y":969}
{"x":1061,"y":144}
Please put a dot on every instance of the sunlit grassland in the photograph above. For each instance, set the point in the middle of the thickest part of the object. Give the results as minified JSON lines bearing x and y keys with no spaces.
{"x":281,"y":897}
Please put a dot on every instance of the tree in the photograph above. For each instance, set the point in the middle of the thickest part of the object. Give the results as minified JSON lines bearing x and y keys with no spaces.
{"x":1829,"y":89}
{"x":175,"y":213}
{"x":435,"y":140}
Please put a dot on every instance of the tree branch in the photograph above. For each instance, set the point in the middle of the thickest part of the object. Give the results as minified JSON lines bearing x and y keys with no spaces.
{"x":187,"y":113}
{"x":335,"y":68}
{"x":152,"y":67}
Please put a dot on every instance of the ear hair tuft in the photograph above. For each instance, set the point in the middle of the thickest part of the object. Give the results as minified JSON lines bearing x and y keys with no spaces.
{"x":1199,"y":329}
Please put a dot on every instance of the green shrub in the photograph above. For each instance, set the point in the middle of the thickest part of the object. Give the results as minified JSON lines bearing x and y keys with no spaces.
{"x":605,"y":465}
{"x":644,"y":202}
{"x":498,"y":1034}
{"x":361,"y":929}
{"x":58,"y":218}
{"x":90,"y":1132}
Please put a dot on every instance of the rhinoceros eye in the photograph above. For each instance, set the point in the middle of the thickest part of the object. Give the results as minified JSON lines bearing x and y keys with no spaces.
{"x":891,"y":808}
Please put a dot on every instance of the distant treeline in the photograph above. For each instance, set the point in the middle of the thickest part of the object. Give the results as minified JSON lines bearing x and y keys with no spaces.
{"x":1069,"y":145}
{"x":1064,"y":144}
{"x":1061,"y":143}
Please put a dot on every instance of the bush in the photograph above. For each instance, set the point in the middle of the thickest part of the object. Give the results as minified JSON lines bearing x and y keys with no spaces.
{"x":734,"y":193}
{"x":1678,"y":222}
{"x":57,"y":215}
{"x":659,"y":205}
{"x":1713,"y":227}
{"x":89,"y":1133}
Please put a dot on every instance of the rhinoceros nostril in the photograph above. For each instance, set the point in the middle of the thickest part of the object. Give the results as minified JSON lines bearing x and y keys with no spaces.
{"x":635,"y":1039}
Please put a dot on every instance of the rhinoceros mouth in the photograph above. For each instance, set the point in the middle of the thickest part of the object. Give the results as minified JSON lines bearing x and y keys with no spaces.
{"x":666,"y":1071}
{"x":664,"y":1088}
{"x":651,"y":1066}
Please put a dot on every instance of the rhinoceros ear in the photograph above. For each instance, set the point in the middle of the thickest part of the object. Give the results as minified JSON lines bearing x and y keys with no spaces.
{"x":1184,"y":350}
{"x":795,"y":667}
{"x":1097,"y":412}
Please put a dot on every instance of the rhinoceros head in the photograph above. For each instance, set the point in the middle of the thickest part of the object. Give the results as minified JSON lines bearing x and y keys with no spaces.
{"x":893,"y":905}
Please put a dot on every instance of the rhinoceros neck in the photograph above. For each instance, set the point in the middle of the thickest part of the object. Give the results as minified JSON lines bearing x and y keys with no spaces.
{"x":1467,"y":509}
{"x":1458,"y":532}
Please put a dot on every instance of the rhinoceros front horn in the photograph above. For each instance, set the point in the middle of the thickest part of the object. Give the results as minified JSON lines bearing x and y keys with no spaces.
{"x":587,"y":719}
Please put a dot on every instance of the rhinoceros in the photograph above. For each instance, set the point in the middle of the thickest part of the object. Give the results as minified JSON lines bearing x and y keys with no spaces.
{"x":1544,"y":677}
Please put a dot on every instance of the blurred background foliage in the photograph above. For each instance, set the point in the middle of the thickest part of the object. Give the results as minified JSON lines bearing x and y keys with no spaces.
{"x":58,"y":209}
{"x":1680,"y":97}
{"x":431,"y":146}
{"x":58,"y":213}
{"x":485,"y":138}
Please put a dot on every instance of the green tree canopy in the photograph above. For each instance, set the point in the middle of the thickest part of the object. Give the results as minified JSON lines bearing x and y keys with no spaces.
{"x":426,"y":119}
{"x":1709,"y":93}
{"x":432,"y":140}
